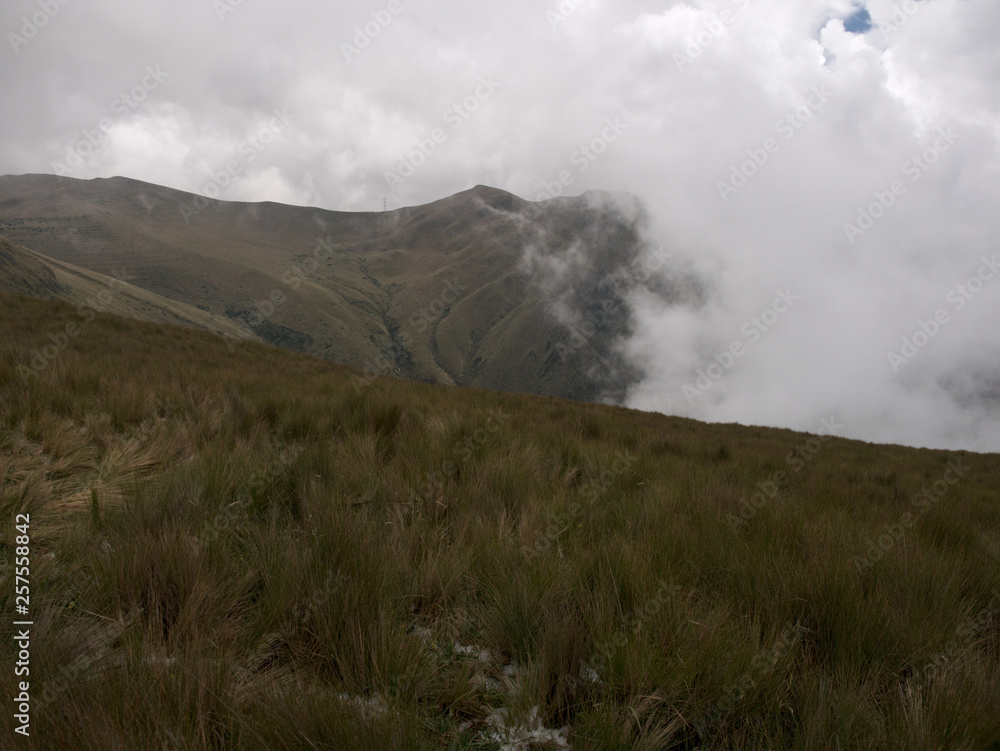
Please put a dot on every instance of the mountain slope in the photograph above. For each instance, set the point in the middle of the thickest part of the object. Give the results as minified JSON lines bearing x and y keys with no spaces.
{"x":440,"y":292}
{"x":25,"y":272}
{"x":240,"y":548}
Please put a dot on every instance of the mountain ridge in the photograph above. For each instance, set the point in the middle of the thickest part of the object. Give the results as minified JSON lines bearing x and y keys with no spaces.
{"x":368,"y":289}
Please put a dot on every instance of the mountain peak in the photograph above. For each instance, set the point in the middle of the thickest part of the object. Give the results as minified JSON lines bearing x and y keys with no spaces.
{"x":493,"y":197}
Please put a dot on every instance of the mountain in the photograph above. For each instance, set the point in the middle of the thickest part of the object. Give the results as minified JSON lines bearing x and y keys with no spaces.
{"x":461,"y":291}
{"x":240,"y":548}
{"x":25,"y":272}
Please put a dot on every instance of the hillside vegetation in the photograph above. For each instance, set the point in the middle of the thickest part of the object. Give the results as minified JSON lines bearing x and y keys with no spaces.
{"x":239,"y":547}
{"x":25,"y":272}
{"x":465,"y":290}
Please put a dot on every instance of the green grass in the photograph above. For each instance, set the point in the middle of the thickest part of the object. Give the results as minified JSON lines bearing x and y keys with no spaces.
{"x":240,"y":548}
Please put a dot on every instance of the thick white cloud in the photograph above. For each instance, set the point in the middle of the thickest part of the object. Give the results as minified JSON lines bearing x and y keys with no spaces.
{"x":691,"y":90}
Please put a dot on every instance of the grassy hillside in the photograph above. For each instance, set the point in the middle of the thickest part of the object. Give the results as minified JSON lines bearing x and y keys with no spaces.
{"x":245,"y":548}
{"x":26,"y":273}
{"x":23,"y":271}
{"x":437,"y":293}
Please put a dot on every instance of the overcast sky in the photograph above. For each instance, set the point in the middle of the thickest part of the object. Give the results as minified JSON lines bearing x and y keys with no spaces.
{"x":759,"y":133}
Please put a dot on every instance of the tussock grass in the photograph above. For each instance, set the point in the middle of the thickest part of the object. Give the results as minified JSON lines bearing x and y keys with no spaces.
{"x":237,"y":548}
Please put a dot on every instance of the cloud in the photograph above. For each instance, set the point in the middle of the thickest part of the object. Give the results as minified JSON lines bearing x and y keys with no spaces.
{"x":747,"y":82}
